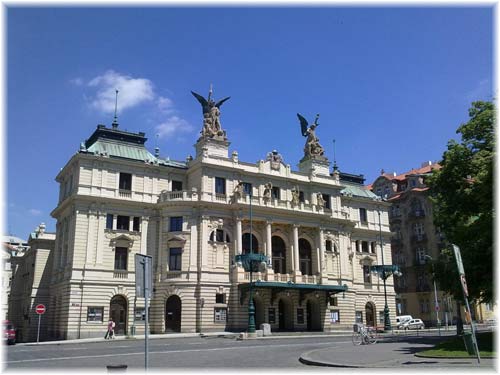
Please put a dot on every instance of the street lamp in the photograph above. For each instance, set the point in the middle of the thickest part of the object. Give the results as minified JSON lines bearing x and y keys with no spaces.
{"x":384,"y":271}
{"x":436,"y":303}
{"x":251,"y":263}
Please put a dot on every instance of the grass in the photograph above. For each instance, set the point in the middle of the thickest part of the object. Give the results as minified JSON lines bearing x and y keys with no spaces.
{"x":455,"y":348}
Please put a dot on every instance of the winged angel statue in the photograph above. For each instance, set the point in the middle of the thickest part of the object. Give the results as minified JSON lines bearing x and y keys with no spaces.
{"x":312,"y":147}
{"x":211,"y":114}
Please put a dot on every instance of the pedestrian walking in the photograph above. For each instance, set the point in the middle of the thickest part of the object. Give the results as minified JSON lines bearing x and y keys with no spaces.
{"x":110,"y":333}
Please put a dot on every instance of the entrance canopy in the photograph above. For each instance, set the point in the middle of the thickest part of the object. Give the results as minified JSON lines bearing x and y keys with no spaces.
{"x":303,"y":289}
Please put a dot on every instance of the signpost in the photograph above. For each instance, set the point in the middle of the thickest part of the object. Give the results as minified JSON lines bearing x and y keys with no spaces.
{"x":461,"y":271}
{"x":144,"y":288}
{"x":40,"y":310}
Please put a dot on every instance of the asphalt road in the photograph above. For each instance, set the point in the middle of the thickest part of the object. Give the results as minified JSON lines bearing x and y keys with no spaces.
{"x":180,"y":353}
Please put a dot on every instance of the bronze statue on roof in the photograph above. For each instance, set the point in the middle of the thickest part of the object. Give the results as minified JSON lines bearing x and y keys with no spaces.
{"x":211,"y":115}
{"x":312,"y":147}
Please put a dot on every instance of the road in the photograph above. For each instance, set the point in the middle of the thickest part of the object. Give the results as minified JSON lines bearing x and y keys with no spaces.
{"x":180,"y":353}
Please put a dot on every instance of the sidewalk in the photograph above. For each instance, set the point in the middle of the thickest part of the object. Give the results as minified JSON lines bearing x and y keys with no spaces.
{"x":389,"y":353}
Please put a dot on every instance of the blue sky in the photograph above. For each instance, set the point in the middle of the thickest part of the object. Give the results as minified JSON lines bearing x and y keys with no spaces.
{"x":391,"y":85}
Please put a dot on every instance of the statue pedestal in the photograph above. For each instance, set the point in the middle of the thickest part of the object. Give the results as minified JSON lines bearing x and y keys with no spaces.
{"x":320,"y":164}
{"x":217,"y":146}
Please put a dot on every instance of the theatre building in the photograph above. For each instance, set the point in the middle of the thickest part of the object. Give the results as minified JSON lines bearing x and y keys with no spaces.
{"x":319,"y":229}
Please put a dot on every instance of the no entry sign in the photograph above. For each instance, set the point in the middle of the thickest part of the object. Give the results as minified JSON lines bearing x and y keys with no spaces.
{"x":40,"y":309}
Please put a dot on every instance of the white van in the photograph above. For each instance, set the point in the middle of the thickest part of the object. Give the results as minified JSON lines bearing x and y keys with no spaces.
{"x":400,"y":320}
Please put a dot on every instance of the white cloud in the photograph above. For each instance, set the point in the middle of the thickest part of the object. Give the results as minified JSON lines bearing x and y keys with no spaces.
{"x":172,"y":127}
{"x":34,"y":212}
{"x":76,"y":81}
{"x":165,"y":104}
{"x":131,"y":91}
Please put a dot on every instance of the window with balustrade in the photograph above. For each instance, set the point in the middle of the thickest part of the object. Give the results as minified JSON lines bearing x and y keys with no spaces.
{"x":305,"y":257}
{"x":220,"y":185}
{"x":125,"y":181}
{"x":278,"y":255}
{"x":176,"y":185}
{"x":175,"y":259}
{"x":121,"y":258}
{"x":363,"y":217}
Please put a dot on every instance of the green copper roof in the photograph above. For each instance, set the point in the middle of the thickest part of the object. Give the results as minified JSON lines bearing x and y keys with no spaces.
{"x":121,"y":150}
{"x":358,"y":191}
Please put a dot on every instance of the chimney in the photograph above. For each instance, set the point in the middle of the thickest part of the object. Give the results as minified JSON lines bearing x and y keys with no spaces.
{"x":426,"y":163}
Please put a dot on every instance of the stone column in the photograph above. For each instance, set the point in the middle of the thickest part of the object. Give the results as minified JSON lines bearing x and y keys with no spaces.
{"x":144,"y":235}
{"x":321,"y":251}
{"x":269,"y":247}
{"x":296,"y":268}
{"x":239,"y":245}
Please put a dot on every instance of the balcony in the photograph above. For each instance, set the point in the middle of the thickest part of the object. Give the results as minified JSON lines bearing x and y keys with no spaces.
{"x":125,"y":193}
{"x":278,"y":277}
{"x":120,"y":274}
{"x":258,"y":201}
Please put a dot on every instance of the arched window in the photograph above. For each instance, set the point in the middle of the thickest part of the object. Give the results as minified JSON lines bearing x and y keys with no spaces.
{"x":279,"y":254}
{"x":305,"y":257}
{"x":245,"y":243}
{"x":220,"y":235}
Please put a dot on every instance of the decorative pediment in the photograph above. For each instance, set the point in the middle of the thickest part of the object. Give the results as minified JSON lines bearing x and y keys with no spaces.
{"x":367,"y":259}
{"x":175,"y":238}
{"x":121,"y":240}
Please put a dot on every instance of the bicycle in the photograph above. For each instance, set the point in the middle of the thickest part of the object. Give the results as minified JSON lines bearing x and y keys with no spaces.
{"x":363,"y":335}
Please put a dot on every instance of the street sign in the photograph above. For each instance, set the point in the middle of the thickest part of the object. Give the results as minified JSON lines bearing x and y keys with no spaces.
{"x":40,"y":309}
{"x":458,"y":258}
{"x":143,"y":275}
{"x":464,"y":285}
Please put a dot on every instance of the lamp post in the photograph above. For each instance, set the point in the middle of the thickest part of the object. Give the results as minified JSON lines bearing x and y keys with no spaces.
{"x":251,"y":263}
{"x":384,"y":272}
{"x":436,"y":303}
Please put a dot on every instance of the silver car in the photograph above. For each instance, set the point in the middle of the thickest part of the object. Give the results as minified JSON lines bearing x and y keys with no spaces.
{"x":414,"y":324}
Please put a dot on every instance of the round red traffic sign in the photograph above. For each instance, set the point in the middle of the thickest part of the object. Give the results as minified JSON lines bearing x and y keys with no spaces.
{"x":40,"y":309}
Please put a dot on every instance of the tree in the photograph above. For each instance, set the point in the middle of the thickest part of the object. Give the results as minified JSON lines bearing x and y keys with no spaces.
{"x":462,"y":196}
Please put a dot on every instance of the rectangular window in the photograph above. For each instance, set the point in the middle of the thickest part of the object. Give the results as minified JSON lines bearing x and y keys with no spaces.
{"x":328,"y":245}
{"x":364,"y":246}
{"x":326,"y":198}
{"x":122,"y":222}
{"x":137,"y":224}
{"x":125,"y":181}
{"x":374,"y":247}
{"x":220,"y":314}
{"x":366,"y":274}
{"x":94,"y":314}
{"x":220,"y":185}
{"x":300,"y":316}
{"x":333,"y":301}
{"x":247,"y":188}
{"x":176,"y":224}
{"x":220,"y":298}
{"x":174,"y":259}
{"x":109,"y":221}
{"x":276,"y":192}
{"x":176,"y":185}
{"x":121,"y":254}
{"x":334,"y":316}
{"x":362,"y":215}
{"x":359,"y":317}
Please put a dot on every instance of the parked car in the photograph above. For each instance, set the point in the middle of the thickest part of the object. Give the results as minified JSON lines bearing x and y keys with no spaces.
{"x":400,"y":320}
{"x":9,"y":332}
{"x":414,"y":324}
